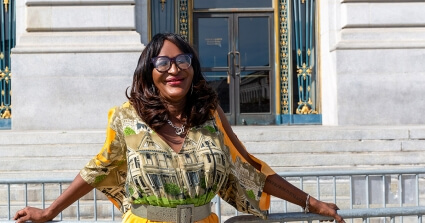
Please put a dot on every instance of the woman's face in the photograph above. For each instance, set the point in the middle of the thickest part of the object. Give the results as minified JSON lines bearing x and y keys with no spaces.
{"x":174,"y":84}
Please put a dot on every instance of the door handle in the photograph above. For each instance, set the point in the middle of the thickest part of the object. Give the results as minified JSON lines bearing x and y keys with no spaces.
{"x":238,"y":64}
{"x":229,"y":67}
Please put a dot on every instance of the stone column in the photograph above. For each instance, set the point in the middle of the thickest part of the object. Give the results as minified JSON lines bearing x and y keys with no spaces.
{"x":377,"y":55}
{"x":72,"y":62}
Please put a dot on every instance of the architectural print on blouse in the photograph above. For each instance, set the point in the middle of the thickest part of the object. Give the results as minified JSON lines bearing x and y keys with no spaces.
{"x":134,"y":157}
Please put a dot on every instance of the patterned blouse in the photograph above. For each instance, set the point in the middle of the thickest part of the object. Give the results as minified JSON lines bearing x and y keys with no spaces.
{"x":136,"y":166}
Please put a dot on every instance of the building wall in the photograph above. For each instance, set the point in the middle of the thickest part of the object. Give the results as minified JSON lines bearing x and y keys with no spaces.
{"x":72,"y":62}
{"x":377,"y":51}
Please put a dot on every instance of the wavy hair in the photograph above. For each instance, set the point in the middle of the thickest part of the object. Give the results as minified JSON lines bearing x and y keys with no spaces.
{"x":147,"y":101}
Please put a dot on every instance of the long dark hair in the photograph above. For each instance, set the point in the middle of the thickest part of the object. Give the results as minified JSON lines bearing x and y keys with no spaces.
{"x":146,"y":100}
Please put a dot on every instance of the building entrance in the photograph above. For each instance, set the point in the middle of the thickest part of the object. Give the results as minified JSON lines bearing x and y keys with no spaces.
{"x":237,"y":57}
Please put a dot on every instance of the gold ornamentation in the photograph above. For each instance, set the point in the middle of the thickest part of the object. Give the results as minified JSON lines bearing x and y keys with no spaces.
{"x":162,"y":4}
{"x":309,"y":101}
{"x":6,"y":3}
{"x":305,"y":110}
{"x":183,"y":19}
{"x":308,"y":52}
{"x":6,"y":114}
{"x":1,"y":56}
{"x":299,"y":52}
{"x":284,"y":58}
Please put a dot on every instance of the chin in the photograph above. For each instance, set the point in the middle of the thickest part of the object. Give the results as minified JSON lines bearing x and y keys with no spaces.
{"x":175,"y":96}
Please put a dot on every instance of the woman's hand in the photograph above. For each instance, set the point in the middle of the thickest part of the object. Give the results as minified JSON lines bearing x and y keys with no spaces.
{"x":32,"y":214}
{"x":323,"y":208}
{"x":75,"y":191}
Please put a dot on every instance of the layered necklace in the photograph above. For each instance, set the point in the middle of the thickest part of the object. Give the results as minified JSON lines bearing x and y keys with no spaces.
{"x":179,"y":130}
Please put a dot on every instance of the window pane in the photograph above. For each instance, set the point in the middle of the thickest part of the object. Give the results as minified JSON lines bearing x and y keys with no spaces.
{"x":218,"y":81}
{"x":254,"y":41}
{"x":213,"y":44}
{"x":255,"y":92}
{"x":162,"y":17}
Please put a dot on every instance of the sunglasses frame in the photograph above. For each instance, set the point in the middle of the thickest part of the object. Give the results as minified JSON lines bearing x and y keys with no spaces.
{"x":172,"y":60}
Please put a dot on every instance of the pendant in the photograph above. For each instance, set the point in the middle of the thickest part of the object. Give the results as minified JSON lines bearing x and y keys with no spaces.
{"x":179,"y":130}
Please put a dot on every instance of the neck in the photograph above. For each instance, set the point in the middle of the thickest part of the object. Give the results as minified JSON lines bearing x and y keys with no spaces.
{"x":176,"y":109}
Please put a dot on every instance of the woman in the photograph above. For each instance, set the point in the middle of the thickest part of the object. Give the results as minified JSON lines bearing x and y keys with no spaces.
{"x":170,"y":150}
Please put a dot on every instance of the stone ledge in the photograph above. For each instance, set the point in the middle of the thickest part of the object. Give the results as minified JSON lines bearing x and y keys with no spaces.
{"x":79,"y":42}
{"x":77,"y":2}
{"x":359,"y":45}
{"x":90,"y":17}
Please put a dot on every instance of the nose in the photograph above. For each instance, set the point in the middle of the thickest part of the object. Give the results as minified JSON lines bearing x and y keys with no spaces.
{"x":173,"y":68}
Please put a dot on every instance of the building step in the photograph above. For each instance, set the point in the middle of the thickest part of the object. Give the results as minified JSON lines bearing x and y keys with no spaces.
{"x":53,"y":154}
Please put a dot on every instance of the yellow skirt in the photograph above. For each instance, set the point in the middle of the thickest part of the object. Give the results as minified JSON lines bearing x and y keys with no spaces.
{"x":129,"y":217}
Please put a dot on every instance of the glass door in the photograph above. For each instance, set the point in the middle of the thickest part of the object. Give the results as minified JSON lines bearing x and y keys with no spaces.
{"x":236,"y":56}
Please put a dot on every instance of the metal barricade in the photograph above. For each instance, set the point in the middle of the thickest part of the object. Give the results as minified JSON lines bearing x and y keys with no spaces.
{"x":9,"y":206}
{"x":383,"y":194}
{"x":20,"y":200}
{"x":362,"y":214}
{"x":359,"y":194}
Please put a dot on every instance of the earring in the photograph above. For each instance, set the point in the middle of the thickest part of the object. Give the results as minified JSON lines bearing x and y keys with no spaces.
{"x":191,"y":89}
{"x":153,"y":89}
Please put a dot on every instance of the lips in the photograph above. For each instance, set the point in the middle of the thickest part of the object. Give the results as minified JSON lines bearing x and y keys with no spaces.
{"x":174,"y":81}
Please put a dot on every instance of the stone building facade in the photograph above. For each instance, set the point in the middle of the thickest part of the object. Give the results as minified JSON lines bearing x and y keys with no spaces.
{"x":74,"y":59}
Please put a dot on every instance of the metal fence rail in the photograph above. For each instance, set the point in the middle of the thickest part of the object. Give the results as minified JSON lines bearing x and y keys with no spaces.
{"x":12,"y":207}
{"x":363,"y":214}
{"x":364,"y":193}
{"x":377,"y":181}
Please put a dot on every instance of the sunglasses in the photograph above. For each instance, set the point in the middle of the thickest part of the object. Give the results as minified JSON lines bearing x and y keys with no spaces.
{"x":163,"y":63}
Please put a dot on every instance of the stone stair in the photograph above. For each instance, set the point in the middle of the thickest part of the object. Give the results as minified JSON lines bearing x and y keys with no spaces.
{"x":61,"y":154}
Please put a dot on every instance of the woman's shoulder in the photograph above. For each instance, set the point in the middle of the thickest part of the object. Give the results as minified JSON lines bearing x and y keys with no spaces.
{"x":125,"y":110}
{"x":127,"y":106}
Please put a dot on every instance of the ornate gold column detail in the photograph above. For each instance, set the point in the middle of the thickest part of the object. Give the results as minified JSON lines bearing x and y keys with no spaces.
{"x":183,"y":19}
{"x":284,"y":56}
{"x":6,"y":5}
{"x":5,"y":79}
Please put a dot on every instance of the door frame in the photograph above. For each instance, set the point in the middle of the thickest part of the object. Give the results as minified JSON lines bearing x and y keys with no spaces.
{"x":235,"y":117}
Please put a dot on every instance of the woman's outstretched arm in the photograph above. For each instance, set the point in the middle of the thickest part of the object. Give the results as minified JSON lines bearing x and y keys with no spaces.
{"x":277,"y":186}
{"x":75,"y":191}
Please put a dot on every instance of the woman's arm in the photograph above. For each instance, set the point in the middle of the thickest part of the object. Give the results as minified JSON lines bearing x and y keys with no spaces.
{"x":75,"y":191}
{"x":279,"y":187}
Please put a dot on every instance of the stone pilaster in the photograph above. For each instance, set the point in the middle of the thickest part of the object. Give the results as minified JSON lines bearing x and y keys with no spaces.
{"x":72,"y":62}
{"x":376,"y":52}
